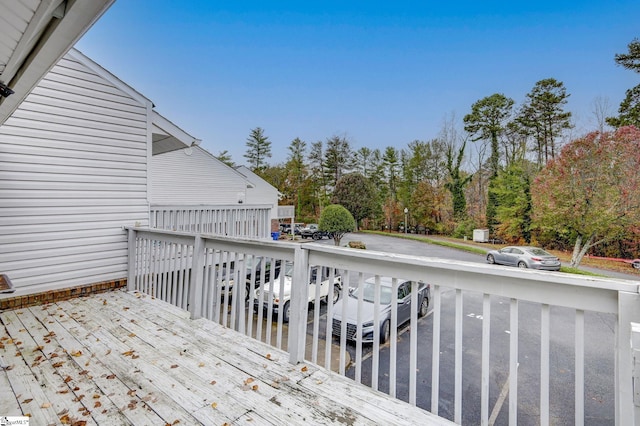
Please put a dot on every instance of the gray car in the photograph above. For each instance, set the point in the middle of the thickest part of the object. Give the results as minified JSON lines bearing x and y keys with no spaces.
{"x":367,"y":316}
{"x":524,"y":257}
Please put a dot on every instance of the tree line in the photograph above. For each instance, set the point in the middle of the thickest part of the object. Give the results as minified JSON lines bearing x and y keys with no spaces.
{"x":513,"y":169}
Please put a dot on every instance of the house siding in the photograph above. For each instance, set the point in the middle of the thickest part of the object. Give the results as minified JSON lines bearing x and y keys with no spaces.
{"x":73,"y":171}
{"x":192,"y":176}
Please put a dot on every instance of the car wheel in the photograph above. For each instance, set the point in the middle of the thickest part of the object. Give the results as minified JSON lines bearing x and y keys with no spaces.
{"x":424,"y":307}
{"x":636,"y":265}
{"x":316,"y":236}
{"x":336,"y":294}
{"x":490,"y":259}
{"x":385,"y":332}
{"x":522,"y":265}
{"x":285,"y":312}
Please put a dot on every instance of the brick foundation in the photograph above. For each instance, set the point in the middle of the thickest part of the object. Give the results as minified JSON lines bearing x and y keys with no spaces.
{"x":52,"y":296}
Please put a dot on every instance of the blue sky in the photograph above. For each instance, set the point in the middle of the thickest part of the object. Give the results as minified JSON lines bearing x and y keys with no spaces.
{"x":380,"y":73}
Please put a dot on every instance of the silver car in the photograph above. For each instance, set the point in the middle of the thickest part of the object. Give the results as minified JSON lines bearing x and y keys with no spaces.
{"x":367,"y":316}
{"x":524,"y":257}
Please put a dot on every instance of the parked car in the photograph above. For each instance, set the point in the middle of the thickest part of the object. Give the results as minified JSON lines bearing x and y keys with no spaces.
{"x":312,"y":230}
{"x":285,"y":228}
{"x":524,"y":257}
{"x":403,"y":308}
{"x":273,"y":290}
{"x":257,"y":264}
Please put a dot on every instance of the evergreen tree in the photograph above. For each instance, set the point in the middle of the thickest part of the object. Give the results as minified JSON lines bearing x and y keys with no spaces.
{"x":629,"y":111}
{"x":544,"y":117}
{"x":258,"y":150}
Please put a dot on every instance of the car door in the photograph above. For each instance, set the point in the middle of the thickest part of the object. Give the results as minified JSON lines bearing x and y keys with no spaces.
{"x":404,"y":302}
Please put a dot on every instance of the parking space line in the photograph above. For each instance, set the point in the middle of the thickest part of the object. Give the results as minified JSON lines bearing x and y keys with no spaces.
{"x":500,"y":402}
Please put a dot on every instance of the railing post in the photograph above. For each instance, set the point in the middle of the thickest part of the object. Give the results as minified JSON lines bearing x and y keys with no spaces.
{"x":298,"y":306}
{"x":131,"y":273}
{"x":627,"y":404}
{"x":197,"y":272}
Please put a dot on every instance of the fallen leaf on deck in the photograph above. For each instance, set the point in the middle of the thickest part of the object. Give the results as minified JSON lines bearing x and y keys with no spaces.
{"x":201,"y":364}
{"x":38,"y":348}
{"x":26,"y":401}
{"x":268,"y":356}
{"x":58,"y":364}
{"x":213,"y":382}
{"x":79,"y":423}
{"x":254,"y":387}
{"x":304,"y":368}
{"x":132,"y":334}
{"x":65,"y":419}
{"x":76,"y":353}
{"x":249,"y":380}
{"x":108,"y":352}
{"x":96,"y":396}
{"x":63,"y":391}
{"x":104,"y":302}
{"x":214,"y":405}
{"x":111,"y":376}
{"x":174,"y":366}
{"x":67,"y":379}
{"x":45,"y":405}
{"x":97,"y":404}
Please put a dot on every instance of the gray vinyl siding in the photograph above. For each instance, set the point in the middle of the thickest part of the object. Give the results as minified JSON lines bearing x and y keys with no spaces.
{"x":73,"y":171}
{"x":196,"y":179}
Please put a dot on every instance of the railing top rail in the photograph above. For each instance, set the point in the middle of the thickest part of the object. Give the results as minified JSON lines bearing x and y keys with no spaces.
{"x":560,"y":289}
{"x":208,"y":206}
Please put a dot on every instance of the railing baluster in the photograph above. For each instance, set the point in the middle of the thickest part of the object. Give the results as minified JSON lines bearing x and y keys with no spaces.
{"x":413,"y":343}
{"x":458,"y":359}
{"x":544,"y":363}
{"x":375,"y":362}
{"x":486,"y":349}
{"x":579,"y":368}
{"x":393,"y":347}
{"x":513,"y":363}
{"x":435,"y":363}
{"x":358,"y":376}
{"x":329,"y":325}
{"x":316,"y":313}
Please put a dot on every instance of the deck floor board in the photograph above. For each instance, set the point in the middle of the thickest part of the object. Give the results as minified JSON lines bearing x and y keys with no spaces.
{"x":126,"y":358}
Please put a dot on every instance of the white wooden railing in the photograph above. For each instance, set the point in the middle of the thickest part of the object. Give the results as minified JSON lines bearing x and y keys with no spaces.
{"x":484,"y":315}
{"x":242,"y":221}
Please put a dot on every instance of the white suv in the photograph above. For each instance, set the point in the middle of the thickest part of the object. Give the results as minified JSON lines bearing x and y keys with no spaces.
{"x":272,"y":290}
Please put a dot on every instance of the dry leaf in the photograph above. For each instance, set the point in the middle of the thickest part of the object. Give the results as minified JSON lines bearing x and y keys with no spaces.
{"x":97,"y":404}
{"x":26,"y":401}
{"x":58,"y":364}
{"x":174,"y":366}
{"x":127,"y":353}
{"x":201,"y":364}
{"x":249,"y":380}
{"x":45,"y":405}
{"x":67,"y":379}
{"x":63,"y":391}
{"x":65,"y":419}
{"x":268,"y":356}
{"x":111,"y":376}
{"x":104,"y":302}
{"x":304,"y":368}
{"x":96,"y":396}
{"x":214,"y":405}
{"x":254,"y":387}
{"x":132,"y":334}
{"x":213,"y":382}
{"x":76,"y":353}
{"x":108,"y":352}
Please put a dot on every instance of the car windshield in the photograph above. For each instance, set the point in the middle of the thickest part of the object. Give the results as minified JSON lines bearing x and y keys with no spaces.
{"x":539,"y":252}
{"x":369,"y":293}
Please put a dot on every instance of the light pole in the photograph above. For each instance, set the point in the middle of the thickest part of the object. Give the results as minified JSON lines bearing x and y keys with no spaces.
{"x":406,"y":215}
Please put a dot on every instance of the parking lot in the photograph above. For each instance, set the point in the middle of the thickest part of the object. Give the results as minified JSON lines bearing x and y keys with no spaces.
{"x":599,"y":332}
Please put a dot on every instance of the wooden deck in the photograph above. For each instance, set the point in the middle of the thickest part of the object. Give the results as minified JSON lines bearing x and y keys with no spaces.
{"x":122,"y":358}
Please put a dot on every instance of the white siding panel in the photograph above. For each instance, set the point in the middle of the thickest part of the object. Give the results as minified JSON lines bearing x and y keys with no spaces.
{"x":73,"y":171}
{"x":192,"y":176}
